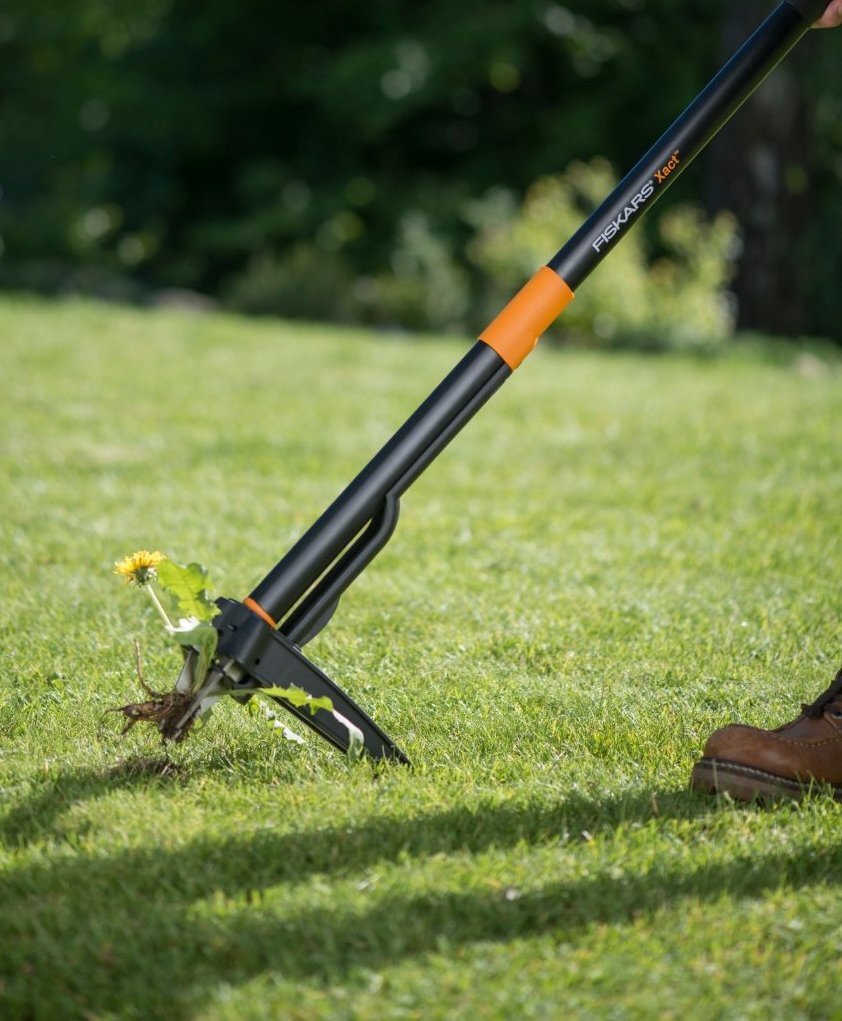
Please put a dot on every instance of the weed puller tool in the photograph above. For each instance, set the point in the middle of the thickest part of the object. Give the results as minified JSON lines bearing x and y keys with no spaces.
{"x":260,"y":638}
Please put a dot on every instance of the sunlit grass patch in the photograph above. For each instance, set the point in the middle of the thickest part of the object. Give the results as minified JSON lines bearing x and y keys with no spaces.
{"x":616,"y":556}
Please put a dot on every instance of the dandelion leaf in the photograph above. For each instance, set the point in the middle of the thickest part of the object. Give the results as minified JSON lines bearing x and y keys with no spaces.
{"x":188,"y":584}
{"x":202,"y":638}
{"x":300,"y":699}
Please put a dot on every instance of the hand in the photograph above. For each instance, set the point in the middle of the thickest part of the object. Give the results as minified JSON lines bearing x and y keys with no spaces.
{"x":832,"y":17}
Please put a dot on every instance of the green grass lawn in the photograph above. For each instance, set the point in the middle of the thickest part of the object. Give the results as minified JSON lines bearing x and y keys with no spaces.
{"x":619,"y":554}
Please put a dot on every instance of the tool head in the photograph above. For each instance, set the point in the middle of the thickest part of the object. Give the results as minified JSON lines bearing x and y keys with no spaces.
{"x":252,"y":656}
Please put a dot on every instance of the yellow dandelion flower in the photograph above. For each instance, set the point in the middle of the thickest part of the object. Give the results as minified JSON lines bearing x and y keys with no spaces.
{"x":139,"y":568}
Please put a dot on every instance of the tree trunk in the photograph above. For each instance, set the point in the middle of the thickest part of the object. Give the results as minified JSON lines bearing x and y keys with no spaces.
{"x":759,"y":169}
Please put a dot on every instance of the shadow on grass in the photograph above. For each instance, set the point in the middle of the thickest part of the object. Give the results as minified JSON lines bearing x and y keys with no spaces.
{"x":35,"y":818}
{"x":144,"y":928}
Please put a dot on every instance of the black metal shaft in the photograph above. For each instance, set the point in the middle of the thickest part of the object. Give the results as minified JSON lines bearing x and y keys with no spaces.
{"x":810,"y":10}
{"x":478,"y":371}
{"x":482,"y":370}
{"x":684,"y":140}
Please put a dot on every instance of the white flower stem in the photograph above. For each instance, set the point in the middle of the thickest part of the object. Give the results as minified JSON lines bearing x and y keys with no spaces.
{"x":157,"y":603}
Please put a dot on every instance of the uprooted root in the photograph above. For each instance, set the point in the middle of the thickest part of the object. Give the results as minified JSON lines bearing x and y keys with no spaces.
{"x":165,"y":709}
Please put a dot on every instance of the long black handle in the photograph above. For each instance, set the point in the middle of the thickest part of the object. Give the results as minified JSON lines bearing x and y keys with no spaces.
{"x":504,"y":344}
{"x":810,"y":10}
{"x":481,"y":371}
{"x":684,"y":139}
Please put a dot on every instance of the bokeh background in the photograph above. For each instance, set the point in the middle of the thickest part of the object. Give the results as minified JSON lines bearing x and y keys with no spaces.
{"x":408,"y":165}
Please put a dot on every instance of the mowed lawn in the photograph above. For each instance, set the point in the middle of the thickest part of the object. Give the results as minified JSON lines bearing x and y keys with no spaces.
{"x":619,"y":554}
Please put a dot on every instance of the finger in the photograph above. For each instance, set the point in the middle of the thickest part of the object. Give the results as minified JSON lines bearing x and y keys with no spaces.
{"x":832,"y":17}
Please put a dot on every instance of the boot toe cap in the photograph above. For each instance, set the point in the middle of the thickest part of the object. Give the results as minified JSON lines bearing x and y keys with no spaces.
{"x":802,"y":751}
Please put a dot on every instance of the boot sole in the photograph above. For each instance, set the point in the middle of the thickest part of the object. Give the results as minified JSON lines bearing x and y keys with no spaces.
{"x":744,"y":783}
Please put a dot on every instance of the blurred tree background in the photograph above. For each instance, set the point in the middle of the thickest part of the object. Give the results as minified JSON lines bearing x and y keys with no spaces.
{"x":387,"y":163}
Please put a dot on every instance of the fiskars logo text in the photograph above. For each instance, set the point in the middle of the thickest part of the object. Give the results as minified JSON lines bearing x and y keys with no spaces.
{"x":639,"y":200}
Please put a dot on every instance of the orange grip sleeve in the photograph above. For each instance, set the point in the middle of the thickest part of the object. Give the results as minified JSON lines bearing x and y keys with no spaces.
{"x":515,"y":331}
{"x":255,"y":607}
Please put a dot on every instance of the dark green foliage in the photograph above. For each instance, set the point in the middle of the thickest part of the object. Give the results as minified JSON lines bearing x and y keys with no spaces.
{"x":185,"y":144}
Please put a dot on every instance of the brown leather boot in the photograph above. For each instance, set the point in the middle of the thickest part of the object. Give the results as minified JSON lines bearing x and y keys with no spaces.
{"x":749,"y":763}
